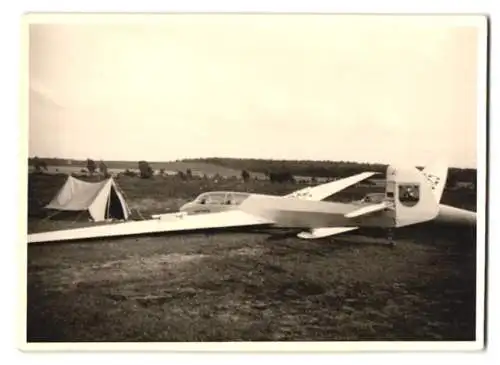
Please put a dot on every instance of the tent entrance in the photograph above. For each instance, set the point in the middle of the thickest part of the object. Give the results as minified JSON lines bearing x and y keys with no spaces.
{"x":114,"y":208}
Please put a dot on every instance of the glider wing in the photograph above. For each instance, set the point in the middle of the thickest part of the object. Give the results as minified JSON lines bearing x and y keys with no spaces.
{"x":227,"y":219}
{"x":323,"y":191}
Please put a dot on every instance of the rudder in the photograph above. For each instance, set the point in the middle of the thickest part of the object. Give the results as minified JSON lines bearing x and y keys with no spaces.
{"x":436,"y":175}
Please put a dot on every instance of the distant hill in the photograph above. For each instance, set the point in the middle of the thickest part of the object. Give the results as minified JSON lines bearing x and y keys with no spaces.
{"x":323,"y":169}
{"x":258,"y":168}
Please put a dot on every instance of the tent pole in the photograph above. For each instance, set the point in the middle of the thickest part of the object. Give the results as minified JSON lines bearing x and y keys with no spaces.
{"x":51,"y":215}
{"x":47,"y":218}
{"x":78,"y":216}
{"x":109,"y":202}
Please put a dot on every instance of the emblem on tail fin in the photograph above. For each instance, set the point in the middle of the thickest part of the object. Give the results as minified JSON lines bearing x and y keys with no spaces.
{"x":433,"y":180}
{"x":409,"y":194}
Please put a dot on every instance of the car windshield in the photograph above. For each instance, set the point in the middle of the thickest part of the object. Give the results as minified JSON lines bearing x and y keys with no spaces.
{"x":236,"y":198}
{"x":211,"y":198}
{"x":221,"y":198}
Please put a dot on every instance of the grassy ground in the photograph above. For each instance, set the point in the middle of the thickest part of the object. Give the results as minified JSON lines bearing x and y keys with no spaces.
{"x":250,"y":286}
{"x":231,"y":287}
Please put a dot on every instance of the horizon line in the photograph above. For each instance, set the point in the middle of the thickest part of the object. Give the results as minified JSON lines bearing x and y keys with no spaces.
{"x":236,"y":158}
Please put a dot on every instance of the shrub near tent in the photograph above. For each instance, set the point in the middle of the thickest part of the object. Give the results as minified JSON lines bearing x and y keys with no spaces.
{"x":91,"y":166}
{"x":39,"y":164}
{"x":103,"y":169}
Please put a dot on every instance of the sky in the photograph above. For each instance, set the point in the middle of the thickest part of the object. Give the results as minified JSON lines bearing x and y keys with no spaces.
{"x":321,"y":87}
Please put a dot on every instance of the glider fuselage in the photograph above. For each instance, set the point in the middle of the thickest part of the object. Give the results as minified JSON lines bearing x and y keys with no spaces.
{"x":288,"y":212}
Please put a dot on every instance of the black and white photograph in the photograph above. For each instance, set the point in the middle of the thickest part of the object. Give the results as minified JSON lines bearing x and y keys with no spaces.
{"x":265,"y":179}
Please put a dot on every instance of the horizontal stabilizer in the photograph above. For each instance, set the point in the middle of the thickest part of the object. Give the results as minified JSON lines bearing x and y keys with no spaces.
{"x":188,"y":223}
{"x":323,"y":191}
{"x":452,"y":215}
{"x":368,"y":210}
{"x":324,"y":232}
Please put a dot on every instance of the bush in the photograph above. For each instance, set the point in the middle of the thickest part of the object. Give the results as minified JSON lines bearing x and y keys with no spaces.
{"x":245,"y":175}
{"x":39,"y":164}
{"x":91,"y":165}
{"x":281,"y":177}
{"x":146,"y":172}
{"x":103,"y":169}
{"x":129,"y":173}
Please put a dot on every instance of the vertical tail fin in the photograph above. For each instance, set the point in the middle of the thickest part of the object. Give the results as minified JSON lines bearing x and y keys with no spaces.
{"x":413,"y":198}
{"x":436,"y":174}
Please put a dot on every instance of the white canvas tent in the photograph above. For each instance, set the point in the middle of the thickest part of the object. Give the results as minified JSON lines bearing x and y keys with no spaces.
{"x":102,"y":200}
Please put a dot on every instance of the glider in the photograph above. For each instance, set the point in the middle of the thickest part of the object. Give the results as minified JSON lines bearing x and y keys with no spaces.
{"x":411,"y":196}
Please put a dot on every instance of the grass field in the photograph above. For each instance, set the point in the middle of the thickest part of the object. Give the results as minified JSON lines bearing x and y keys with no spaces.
{"x":249,"y":286}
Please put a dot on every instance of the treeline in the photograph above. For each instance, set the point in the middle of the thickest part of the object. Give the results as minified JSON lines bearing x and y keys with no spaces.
{"x":54,"y":161}
{"x":317,"y":169}
{"x":328,"y":169}
{"x":51,"y":161}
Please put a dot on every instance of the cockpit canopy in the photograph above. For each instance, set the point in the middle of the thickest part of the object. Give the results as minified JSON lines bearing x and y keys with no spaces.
{"x":221,"y":198}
